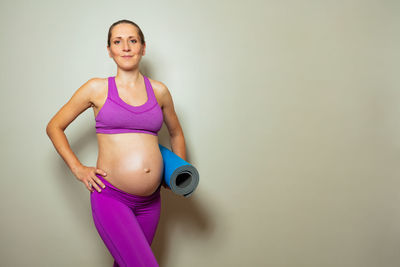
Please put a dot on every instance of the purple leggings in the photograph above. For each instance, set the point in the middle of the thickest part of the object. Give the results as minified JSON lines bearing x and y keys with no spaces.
{"x":127,"y":224}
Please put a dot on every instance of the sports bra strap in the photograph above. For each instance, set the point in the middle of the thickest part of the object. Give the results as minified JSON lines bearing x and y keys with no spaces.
{"x":112,"y":90}
{"x":113,"y":93}
{"x":150,"y":91}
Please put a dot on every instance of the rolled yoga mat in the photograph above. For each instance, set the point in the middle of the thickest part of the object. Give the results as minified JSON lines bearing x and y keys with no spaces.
{"x":181,"y":176}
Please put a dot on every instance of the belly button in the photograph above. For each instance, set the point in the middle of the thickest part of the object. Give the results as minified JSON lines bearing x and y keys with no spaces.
{"x":147,"y":170}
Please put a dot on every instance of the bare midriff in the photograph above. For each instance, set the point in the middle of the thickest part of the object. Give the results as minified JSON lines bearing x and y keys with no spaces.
{"x":132,"y":161}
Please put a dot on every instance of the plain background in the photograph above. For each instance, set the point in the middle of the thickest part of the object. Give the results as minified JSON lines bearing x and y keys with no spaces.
{"x":290,"y":112}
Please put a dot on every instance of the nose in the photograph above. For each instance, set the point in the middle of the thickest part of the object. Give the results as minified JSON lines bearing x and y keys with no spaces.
{"x":125,"y":46}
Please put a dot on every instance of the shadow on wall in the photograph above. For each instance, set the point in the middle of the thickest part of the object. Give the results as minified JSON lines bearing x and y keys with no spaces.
{"x":179,"y":214}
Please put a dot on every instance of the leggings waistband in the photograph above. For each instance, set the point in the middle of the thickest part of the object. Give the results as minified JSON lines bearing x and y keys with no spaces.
{"x":127,"y":195}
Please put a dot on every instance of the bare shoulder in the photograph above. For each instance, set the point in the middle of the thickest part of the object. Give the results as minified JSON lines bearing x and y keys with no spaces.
{"x":161,"y":91}
{"x":96,"y":81}
{"x":98,"y":90}
{"x":98,"y":84}
{"x":92,"y":86}
{"x":159,"y":87}
{"x":82,"y":99}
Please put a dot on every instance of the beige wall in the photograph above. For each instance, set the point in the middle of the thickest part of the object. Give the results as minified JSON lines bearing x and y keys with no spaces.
{"x":290,"y":111}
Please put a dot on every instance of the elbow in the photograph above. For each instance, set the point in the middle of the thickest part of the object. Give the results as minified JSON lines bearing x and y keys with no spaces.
{"x":178,"y":134}
{"x":50,"y":128}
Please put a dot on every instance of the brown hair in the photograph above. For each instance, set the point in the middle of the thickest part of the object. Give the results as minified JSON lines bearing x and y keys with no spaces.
{"x":142,"y":41}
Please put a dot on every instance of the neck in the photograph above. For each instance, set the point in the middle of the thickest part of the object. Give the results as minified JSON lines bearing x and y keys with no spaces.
{"x":128,"y":78}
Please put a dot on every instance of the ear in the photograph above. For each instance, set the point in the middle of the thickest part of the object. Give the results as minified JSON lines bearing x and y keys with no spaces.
{"x":109,"y":52}
{"x":144,"y":49}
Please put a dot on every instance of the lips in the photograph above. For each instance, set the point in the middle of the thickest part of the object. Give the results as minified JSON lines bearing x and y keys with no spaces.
{"x":127,"y":56}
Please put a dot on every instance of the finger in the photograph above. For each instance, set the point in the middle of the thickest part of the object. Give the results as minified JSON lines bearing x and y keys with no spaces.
{"x":95,"y":185}
{"x":89,"y":186}
{"x":101,"y":172}
{"x":99,"y":182}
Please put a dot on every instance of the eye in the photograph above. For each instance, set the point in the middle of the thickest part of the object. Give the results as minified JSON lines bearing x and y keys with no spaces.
{"x":131,"y":40}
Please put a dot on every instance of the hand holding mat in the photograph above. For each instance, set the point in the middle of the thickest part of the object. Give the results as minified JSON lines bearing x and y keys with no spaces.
{"x":181,"y":176}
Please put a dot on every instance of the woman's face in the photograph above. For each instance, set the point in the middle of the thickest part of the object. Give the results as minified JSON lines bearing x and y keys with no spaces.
{"x":125,"y":41}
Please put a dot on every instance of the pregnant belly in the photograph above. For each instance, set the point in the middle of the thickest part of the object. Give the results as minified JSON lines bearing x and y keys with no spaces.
{"x":133,"y":167}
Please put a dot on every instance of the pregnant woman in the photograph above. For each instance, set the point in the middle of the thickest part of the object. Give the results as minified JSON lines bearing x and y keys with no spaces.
{"x":129,"y":110}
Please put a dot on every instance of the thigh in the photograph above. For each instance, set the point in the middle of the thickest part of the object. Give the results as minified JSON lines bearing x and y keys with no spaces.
{"x":148,"y":217}
{"x":118,"y":227}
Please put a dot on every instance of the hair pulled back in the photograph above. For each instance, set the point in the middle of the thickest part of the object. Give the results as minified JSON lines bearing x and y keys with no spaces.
{"x":142,"y":41}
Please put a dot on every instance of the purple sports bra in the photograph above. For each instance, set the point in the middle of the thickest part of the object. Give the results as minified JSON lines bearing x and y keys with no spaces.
{"x":116,"y":116}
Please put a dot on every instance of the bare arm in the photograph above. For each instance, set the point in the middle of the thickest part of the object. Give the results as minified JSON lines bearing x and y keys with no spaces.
{"x":172,"y":123}
{"x":79,"y":102}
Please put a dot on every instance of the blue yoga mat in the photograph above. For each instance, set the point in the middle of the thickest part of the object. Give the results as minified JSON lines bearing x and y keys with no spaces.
{"x":181,"y":176}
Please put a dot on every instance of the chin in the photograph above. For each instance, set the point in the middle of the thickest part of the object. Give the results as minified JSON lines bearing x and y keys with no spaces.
{"x":128,"y":67}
